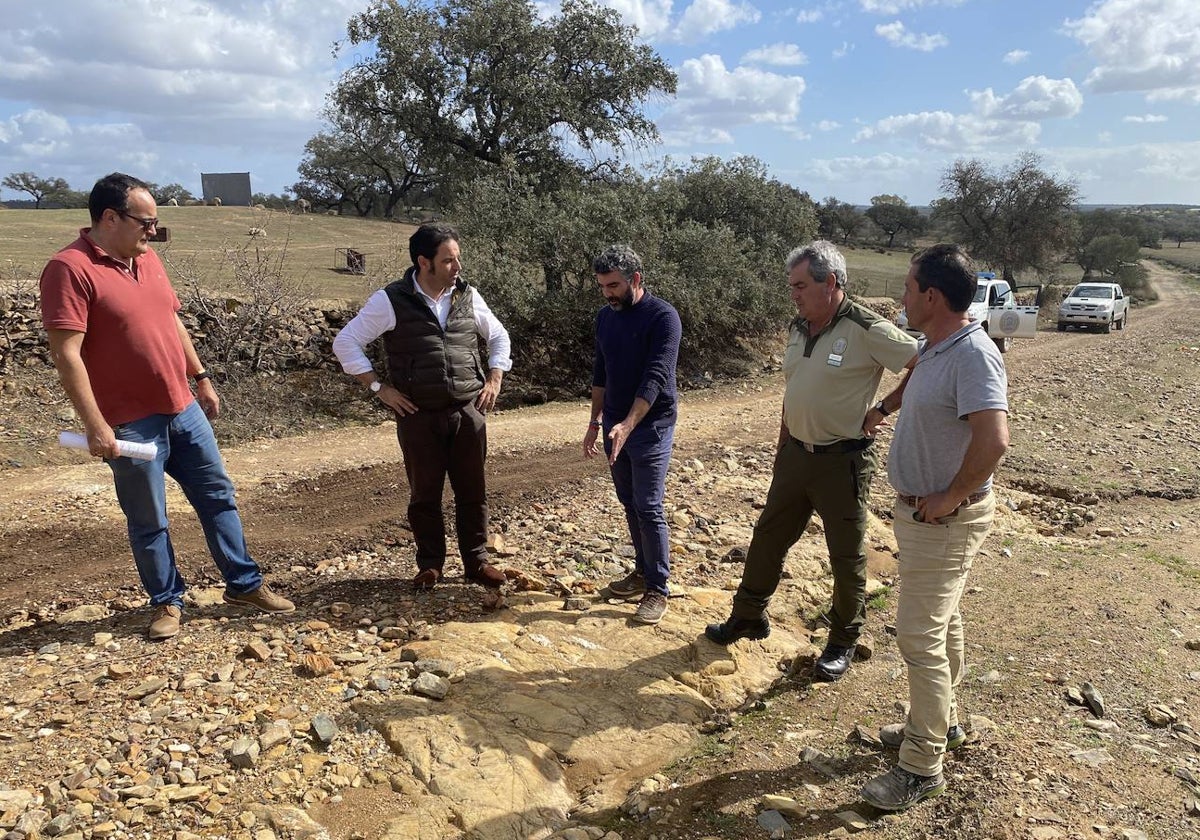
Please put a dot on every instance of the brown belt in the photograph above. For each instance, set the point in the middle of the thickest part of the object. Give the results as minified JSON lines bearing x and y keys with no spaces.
{"x":914,"y":501}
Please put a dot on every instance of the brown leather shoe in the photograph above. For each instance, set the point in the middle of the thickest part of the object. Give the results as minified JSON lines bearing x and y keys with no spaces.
{"x":261,"y":599}
{"x":487,"y":575}
{"x":165,"y":622}
{"x":426,"y":579}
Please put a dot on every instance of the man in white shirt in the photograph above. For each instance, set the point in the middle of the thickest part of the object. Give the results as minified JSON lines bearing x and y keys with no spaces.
{"x":431,"y":321}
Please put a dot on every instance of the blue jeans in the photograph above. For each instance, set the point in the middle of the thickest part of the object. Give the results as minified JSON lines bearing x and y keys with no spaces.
{"x":640,"y":478}
{"x":187,"y":451}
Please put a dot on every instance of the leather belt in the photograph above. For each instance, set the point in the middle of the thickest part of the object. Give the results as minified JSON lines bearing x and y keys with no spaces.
{"x":913,"y":501}
{"x":838,"y":447}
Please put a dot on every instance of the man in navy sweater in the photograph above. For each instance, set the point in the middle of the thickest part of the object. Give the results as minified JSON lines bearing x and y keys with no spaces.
{"x":634,"y":404}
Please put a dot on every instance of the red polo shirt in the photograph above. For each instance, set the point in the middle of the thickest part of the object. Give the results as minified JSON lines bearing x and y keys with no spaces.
{"x":131,"y":346}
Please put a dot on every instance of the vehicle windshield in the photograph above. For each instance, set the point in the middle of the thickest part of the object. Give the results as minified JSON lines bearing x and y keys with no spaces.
{"x":982,"y":288}
{"x":1104,"y":292}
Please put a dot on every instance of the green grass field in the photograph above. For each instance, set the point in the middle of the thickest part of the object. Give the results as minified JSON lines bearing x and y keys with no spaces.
{"x":201,"y":237}
{"x":884,"y":273}
{"x":1186,"y":257}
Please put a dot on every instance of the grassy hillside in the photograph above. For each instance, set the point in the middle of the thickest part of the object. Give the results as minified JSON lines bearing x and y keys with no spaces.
{"x":1186,"y":257}
{"x":202,"y":236}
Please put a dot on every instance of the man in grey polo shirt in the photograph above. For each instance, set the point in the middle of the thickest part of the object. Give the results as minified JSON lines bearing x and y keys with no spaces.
{"x":835,"y":357}
{"x":949,"y":439}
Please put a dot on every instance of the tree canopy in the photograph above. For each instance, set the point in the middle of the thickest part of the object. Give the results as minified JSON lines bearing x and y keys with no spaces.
{"x":895,"y":216}
{"x":839,"y":220}
{"x":371,"y":170}
{"x":713,"y":235}
{"x":1014,"y":219}
{"x":489,"y":83}
{"x":40,"y":189}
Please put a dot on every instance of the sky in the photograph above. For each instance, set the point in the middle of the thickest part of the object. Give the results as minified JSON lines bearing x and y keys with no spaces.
{"x":844,"y":98}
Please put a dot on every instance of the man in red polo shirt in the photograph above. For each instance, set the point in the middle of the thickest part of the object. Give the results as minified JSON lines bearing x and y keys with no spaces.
{"x":124,"y":358}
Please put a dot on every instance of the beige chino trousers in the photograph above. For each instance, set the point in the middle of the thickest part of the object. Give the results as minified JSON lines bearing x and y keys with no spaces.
{"x":935,"y":560}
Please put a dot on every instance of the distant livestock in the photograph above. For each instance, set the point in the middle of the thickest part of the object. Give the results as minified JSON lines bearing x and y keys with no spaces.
{"x":257,"y":232}
{"x":260,"y":207}
{"x":172,"y":202}
{"x":216,"y":201}
{"x":331,"y":212}
{"x":303,"y":205}
{"x":193,"y":202}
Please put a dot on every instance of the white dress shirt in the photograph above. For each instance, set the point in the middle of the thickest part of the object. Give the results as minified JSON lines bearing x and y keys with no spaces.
{"x":378,"y":316}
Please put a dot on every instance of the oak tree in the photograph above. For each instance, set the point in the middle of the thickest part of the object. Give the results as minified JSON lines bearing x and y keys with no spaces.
{"x":488,"y":84}
{"x":1013,"y":219}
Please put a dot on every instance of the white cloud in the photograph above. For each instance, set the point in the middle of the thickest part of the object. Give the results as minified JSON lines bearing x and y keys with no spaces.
{"x":843,"y":50}
{"x":1151,"y":46}
{"x":783,"y":55}
{"x":896,"y":34}
{"x":1035,"y":98}
{"x":50,"y":144}
{"x":1163,"y":172}
{"x":179,"y":86}
{"x":695,"y":135}
{"x":809,"y":15}
{"x":828,"y":125}
{"x":1015,"y":56}
{"x":855,"y":165}
{"x":1009,"y":120}
{"x":1145,"y":118}
{"x":203,"y":64}
{"x":893,"y":7}
{"x":706,"y":17}
{"x":713,"y":99}
{"x":944,"y":131}
{"x":651,"y":17}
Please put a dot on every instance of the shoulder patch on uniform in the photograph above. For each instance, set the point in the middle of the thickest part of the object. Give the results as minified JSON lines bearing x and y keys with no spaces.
{"x":862,"y":316}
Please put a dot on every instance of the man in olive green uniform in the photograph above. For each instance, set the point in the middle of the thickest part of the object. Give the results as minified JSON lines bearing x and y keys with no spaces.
{"x":835,"y":357}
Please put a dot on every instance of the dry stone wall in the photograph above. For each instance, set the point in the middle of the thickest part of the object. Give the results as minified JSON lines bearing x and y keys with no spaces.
{"x":300,"y":342}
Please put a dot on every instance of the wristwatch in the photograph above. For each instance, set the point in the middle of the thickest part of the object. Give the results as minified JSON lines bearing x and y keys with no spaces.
{"x":375,"y":386}
{"x":881,"y":408}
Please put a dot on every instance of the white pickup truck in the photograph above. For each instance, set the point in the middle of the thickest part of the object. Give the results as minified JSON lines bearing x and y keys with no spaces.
{"x":1102,"y":305}
{"x":994,"y":305}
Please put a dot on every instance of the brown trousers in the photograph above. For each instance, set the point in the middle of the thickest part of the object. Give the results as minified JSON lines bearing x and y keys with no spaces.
{"x":451,"y":441}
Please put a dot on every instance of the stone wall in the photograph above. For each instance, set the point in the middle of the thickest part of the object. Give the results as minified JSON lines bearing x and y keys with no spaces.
{"x":227,"y":330}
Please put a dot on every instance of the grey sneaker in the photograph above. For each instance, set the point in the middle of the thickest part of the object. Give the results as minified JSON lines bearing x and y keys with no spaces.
{"x":892,"y":736}
{"x":629,"y":586}
{"x":898,"y":789}
{"x":165,"y":622}
{"x":261,"y":599}
{"x":651,"y":609}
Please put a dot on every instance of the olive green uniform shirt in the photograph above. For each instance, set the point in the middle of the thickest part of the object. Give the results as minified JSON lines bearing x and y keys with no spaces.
{"x":832,"y":377}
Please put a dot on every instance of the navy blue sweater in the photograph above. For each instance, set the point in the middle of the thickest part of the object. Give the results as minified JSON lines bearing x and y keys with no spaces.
{"x":636,"y":351}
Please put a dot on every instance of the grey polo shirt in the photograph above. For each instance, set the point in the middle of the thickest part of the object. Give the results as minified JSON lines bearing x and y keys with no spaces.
{"x":959,"y":376}
{"x":832,"y":377}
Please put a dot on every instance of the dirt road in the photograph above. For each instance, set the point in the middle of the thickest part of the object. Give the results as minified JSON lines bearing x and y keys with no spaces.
{"x":1089,"y":576}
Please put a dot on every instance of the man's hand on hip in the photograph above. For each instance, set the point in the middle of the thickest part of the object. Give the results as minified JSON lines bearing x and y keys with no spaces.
{"x":397,"y":401}
{"x":486,"y":400}
{"x":933,"y":507}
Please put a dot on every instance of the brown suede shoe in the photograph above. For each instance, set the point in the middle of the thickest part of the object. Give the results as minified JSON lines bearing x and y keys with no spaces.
{"x":487,"y":575}
{"x":261,"y":599}
{"x":165,"y":622}
{"x":426,"y":579}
